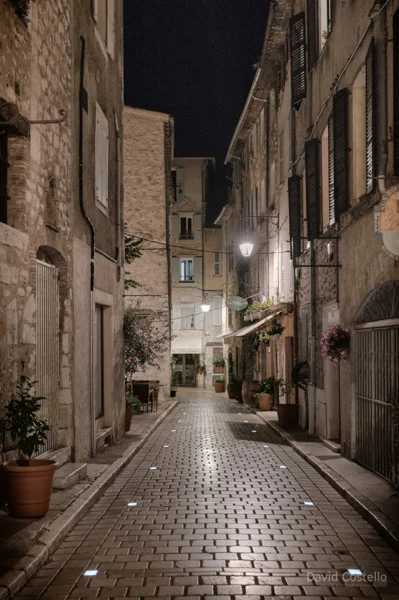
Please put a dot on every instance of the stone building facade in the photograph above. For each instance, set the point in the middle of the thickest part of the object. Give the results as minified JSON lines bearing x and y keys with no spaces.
{"x":51,"y":271}
{"x":187,"y":215}
{"x":148,"y":150}
{"x":328,"y":81}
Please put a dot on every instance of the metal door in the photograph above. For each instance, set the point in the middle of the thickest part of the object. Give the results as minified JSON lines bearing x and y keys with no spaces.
{"x":377,"y":386}
{"x":47,"y":347}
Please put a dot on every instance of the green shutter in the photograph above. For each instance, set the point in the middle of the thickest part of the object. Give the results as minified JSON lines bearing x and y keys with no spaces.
{"x":340,"y":127}
{"x":294,"y":200}
{"x":312,"y":162}
{"x":298,"y":58}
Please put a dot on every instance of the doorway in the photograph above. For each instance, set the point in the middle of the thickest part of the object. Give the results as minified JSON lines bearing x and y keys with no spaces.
{"x":185,"y":365}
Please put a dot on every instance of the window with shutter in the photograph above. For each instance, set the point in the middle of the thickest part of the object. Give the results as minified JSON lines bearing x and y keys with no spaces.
{"x":176,"y":317}
{"x":187,"y":312}
{"x":340,"y":128}
{"x":272,"y":187}
{"x":331,"y":192}
{"x":396,"y":92}
{"x":298,"y":58}
{"x":179,"y":184}
{"x":198,"y":269}
{"x":217,"y":302}
{"x":370,"y":171}
{"x":198,"y":317}
{"x":236,"y":174}
{"x":294,"y":200}
{"x":312,"y":162}
{"x":313,"y":38}
{"x":218,"y":264}
{"x":186,"y":269}
{"x":281,"y":157}
{"x":4,"y":164}
{"x":282,"y":271}
{"x":175,"y":269}
{"x":101,"y":157}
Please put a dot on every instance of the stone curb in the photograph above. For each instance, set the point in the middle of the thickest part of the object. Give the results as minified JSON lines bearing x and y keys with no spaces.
{"x":379,"y":520}
{"x":13,"y":581}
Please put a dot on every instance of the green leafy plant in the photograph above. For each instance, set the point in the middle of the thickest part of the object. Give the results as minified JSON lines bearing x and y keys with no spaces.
{"x":145,"y":341}
{"x":267,"y":386}
{"x":201,"y":369}
{"x":219,"y":361}
{"x":275,"y":327}
{"x":284,"y":387}
{"x":219,"y":380}
{"x":256,"y":307}
{"x":22,"y":421}
{"x":264,"y":337}
{"x":176,"y":378}
{"x":134,"y":403}
{"x":133,"y":250}
{"x":21,"y":8}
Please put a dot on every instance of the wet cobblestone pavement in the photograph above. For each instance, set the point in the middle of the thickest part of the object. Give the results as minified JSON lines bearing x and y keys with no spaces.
{"x":219,"y":507}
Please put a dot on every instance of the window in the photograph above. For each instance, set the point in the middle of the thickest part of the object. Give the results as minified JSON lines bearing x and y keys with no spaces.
{"x":319,"y":22}
{"x":340,"y":128}
{"x":104,"y":17}
{"x":186,"y":228}
{"x":312,"y":164}
{"x":272,"y":187}
{"x":186,"y":269}
{"x":179,"y":182}
{"x":324,"y":22}
{"x":217,"y":302}
{"x":187,"y":313}
{"x":325,"y":180}
{"x":3,"y":176}
{"x":281,"y":157}
{"x":298,"y":59}
{"x":218,"y":264}
{"x":331,"y":190}
{"x":294,"y":201}
{"x":359,"y":134}
{"x":256,"y":202}
{"x":282,"y":271}
{"x":101,"y":156}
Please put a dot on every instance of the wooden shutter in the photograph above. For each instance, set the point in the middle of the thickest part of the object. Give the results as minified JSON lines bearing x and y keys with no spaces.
{"x":198,"y":269}
{"x":370,"y":128}
{"x":179,"y":184}
{"x":294,"y":200}
{"x":312,"y":162}
{"x":175,"y":227}
{"x":101,"y":157}
{"x":298,"y":58}
{"x":236,"y":174}
{"x":197,"y":227}
{"x":340,"y":128}
{"x":175,"y":269}
{"x":217,"y":302}
{"x":313,"y":37}
{"x":331,"y":198}
{"x":396,"y":92}
{"x":176,"y":321}
{"x":198,"y":317}
{"x":110,"y":27}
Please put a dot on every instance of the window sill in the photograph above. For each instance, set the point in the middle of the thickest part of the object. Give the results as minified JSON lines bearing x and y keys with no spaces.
{"x":186,"y":237}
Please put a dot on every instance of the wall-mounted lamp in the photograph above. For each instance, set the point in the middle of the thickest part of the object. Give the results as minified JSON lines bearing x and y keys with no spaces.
{"x":246,"y":249}
{"x":205,"y":306}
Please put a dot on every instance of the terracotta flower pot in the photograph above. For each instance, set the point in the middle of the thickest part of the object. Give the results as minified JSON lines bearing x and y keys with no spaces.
{"x":245,"y":392}
{"x":265,"y":401}
{"x":173,"y":393}
{"x":29,"y":487}
{"x":253,"y":389}
{"x":219,"y":387}
{"x":128,"y":418}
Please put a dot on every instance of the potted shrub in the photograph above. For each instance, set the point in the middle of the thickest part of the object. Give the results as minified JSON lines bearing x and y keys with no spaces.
{"x":234,"y":389}
{"x":288,"y":414}
{"x":219,"y":385}
{"x":275,"y":329}
{"x":29,"y":480}
{"x":266,"y":393}
{"x":176,"y":380}
{"x":219,"y":361}
{"x":133,"y":407}
{"x":201,"y":370}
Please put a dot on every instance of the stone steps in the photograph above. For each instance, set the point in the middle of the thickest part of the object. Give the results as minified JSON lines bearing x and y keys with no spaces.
{"x":332,"y":445}
{"x":103,"y":437}
{"x":60,"y":455}
{"x":68,"y":475}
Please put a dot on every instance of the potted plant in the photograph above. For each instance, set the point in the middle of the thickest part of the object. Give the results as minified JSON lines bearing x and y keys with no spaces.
{"x":266,"y":393}
{"x":133,"y":407}
{"x":275,"y":329}
{"x":335,"y":344}
{"x":28,"y":480}
{"x":219,"y":361}
{"x":288,"y":414}
{"x":201,"y":370}
{"x":176,"y":380}
{"x":219,"y":385}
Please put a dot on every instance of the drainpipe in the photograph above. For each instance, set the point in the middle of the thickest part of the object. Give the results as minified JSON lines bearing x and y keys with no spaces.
{"x":295,"y":295}
{"x":313,"y":327}
{"x":382,"y":100}
{"x":167,"y":148}
{"x":119,"y":238}
{"x":92,"y":245}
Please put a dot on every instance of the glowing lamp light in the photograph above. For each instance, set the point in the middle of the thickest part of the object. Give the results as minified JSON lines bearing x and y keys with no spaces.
{"x":246,"y":249}
{"x":90,"y":573}
{"x":205,"y":307}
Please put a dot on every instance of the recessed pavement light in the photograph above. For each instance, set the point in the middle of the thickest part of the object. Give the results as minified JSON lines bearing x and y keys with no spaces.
{"x":132,"y":503}
{"x":92,"y":573}
{"x":253,"y":431}
{"x":245,"y":421}
{"x":265,"y":446}
{"x":173,"y":430}
{"x":355,"y":572}
{"x":308,"y":504}
{"x":283,"y":467}
{"x":152,"y":468}
{"x":166,"y":446}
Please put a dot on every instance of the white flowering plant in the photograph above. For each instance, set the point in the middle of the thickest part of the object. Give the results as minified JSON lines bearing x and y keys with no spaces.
{"x":335,"y":344}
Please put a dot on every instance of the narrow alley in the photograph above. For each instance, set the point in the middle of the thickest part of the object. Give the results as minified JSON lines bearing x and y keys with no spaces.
{"x":214,"y":504}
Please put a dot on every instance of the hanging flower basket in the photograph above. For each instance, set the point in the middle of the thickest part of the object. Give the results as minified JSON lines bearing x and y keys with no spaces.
{"x":335,"y":344}
{"x":275,"y":329}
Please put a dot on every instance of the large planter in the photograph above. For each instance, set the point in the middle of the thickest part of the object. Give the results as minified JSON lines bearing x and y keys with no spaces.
{"x":128,"y":418}
{"x":29,"y":487}
{"x":253,"y":389}
{"x":265,"y":401}
{"x":230,"y":393}
{"x":173,"y":393}
{"x":245,"y":393}
{"x":219,"y":387}
{"x":288,"y":415}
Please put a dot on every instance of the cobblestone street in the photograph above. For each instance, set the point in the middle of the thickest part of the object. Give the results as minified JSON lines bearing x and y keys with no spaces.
{"x":215,"y":505}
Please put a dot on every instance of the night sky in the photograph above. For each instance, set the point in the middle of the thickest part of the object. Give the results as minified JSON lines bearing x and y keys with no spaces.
{"x":194,"y":60}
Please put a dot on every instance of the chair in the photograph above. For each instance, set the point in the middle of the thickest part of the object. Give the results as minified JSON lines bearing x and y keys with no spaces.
{"x":144,"y":393}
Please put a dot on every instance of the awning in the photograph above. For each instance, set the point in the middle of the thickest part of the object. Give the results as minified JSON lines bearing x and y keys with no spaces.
{"x":250,"y":328}
{"x":188,"y":345}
